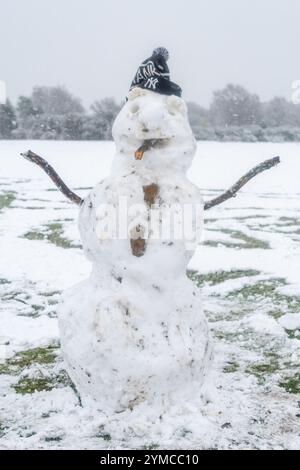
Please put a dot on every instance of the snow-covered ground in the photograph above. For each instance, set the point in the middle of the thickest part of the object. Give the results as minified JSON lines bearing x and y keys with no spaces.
{"x":248,"y":270}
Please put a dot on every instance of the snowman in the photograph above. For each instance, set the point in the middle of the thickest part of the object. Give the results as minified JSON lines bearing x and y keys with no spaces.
{"x":133,"y":335}
{"x":134,"y":332}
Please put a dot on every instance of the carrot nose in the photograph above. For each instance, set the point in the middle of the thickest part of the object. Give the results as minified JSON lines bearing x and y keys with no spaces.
{"x":139,"y":153}
{"x":148,"y":144}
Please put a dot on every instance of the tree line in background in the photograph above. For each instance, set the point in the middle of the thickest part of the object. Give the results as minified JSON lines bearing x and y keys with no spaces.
{"x":234,"y":115}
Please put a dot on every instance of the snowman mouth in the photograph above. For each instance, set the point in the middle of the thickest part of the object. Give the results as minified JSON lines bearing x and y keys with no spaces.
{"x":150,"y":144}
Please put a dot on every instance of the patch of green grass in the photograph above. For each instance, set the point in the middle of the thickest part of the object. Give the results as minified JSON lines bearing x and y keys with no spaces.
{"x":267,"y":289}
{"x":246,"y":217}
{"x":83,"y":188}
{"x":225,"y":335}
{"x":280,"y":225}
{"x":246,"y":242}
{"x":277,"y":228}
{"x":275,"y":313}
{"x":6,"y":199}
{"x":34,"y":235}
{"x":32,"y":310}
{"x":218,"y":277}
{"x":53,"y":438}
{"x":55,"y":236}
{"x":264,"y":288}
{"x":215,"y":244}
{"x":184,"y":432}
{"x":29,"y":385}
{"x":53,"y":233}
{"x":13,"y":295}
{"x":37,"y":308}
{"x":3,"y":428}
{"x":27,"y":434}
{"x":27,"y":358}
{"x":290,"y":220}
{"x":262,"y":370}
{"x":291,"y":384}
{"x":52,"y":298}
{"x":50,"y":293}
{"x":228,"y":312}
{"x":31,"y":208}
{"x":151,"y":446}
{"x":102,"y":434}
{"x":252,"y":208}
{"x":293,"y":334}
{"x":292,"y":302}
{"x":231,"y":367}
{"x":250,"y":340}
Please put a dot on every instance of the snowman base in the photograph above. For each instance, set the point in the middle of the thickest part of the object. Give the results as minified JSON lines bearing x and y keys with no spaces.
{"x":121,"y":350}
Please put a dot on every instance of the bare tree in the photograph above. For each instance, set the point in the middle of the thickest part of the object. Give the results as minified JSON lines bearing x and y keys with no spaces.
{"x":235,"y":106}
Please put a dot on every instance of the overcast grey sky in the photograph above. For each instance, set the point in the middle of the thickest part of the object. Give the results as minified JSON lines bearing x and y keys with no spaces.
{"x":94,"y":46}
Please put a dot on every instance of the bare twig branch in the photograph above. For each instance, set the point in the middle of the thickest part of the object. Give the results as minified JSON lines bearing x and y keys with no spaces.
{"x":231,"y":192}
{"x":33,"y":157}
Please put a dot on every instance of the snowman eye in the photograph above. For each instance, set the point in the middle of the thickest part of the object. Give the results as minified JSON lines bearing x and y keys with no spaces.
{"x":175,"y":106}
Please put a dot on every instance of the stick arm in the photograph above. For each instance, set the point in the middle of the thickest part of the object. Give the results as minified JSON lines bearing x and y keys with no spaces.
{"x":231,"y":192}
{"x":33,"y":157}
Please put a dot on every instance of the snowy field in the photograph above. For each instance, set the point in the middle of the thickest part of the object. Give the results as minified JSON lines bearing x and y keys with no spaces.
{"x":248,"y":270}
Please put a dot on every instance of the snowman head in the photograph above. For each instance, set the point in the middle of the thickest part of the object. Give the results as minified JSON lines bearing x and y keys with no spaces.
{"x":161,"y":119}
